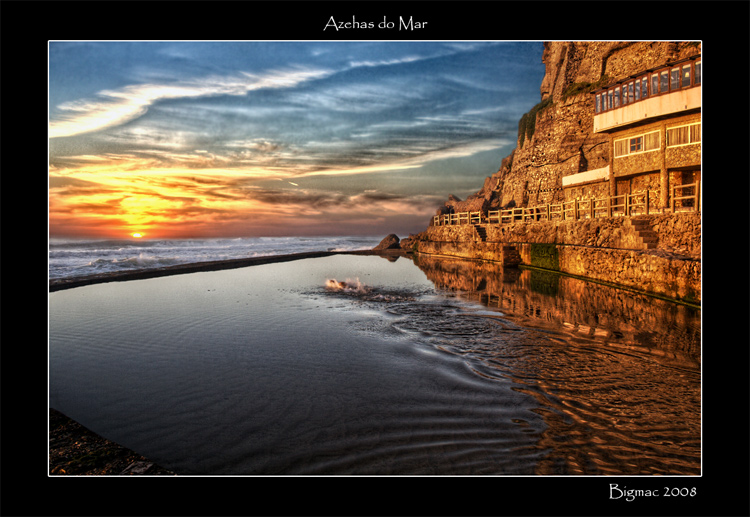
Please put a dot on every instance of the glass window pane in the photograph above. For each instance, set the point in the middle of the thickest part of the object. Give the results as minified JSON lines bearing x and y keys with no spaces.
{"x":654,"y":84}
{"x":617,"y":97}
{"x":664,"y":86}
{"x":644,"y":87}
{"x":638,"y":90}
{"x":695,"y":133}
{"x":686,"y":76}
{"x":630,"y":92}
{"x":652,"y":141}
{"x":598,"y":102}
{"x":610,"y":104}
{"x":697,"y":72}
{"x":621,"y":147}
{"x":674,"y":79}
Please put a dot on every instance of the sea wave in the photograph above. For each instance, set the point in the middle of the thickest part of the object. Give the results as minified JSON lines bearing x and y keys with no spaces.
{"x":76,"y":258}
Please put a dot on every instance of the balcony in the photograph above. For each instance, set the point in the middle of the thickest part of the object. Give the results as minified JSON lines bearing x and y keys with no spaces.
{"x":651,"y":108}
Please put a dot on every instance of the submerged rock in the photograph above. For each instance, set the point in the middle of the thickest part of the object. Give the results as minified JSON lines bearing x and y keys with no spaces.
{"x":391,"y":242}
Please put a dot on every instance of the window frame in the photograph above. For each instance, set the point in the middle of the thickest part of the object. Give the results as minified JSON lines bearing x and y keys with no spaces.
{"x":636,"y":144}
{"x":690,"y":134}
{"x":626,"y":143}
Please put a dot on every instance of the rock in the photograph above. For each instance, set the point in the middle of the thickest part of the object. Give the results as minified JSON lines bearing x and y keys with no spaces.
{"x":389,"y":243}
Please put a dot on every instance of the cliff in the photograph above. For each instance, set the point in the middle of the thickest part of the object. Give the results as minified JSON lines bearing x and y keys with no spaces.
{"x":555,"y":138}
{"x":658,"y":253}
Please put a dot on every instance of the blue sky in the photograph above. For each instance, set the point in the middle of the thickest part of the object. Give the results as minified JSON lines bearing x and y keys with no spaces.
{"x":200,"y":139}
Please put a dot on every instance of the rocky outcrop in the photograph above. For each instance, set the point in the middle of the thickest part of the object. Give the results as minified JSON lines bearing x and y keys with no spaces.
{"x":391,"y":242}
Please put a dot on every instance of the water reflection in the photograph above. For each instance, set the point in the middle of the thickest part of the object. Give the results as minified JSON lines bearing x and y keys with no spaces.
{"x":277,"y":369}
{"x":589,"y":311}
{"x":616,"y":374}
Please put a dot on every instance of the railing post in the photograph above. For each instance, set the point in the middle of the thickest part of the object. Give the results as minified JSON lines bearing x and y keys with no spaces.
{"x":575,"y":209}
{"x":697,"y":196}
{"x":672,"y":201}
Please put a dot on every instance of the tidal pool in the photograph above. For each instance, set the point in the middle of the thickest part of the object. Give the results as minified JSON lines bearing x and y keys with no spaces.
{"x":425,"y":367}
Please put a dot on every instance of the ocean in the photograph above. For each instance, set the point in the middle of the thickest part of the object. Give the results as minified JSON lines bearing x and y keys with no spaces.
{"x":78,"y":257}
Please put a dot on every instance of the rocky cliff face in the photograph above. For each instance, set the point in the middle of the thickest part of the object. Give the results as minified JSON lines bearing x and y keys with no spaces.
{"x":556,"y":137}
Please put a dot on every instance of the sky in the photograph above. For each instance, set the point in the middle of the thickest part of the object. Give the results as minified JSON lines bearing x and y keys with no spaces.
{"x":182,"y":139}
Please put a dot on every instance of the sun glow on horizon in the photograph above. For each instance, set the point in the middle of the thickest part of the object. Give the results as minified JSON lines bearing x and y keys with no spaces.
{"x":137,"y":235}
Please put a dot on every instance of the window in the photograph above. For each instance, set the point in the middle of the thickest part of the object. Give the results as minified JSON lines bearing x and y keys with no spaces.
{"x":621,"y":148}
{"x":683,"y":135}
{"x":652,"y":141}
{"x":674,"y":79}
{"x":654,"y":82}
{"x":637,"y":144}
{"x":695,"y":133}
{"x":685,"y":76}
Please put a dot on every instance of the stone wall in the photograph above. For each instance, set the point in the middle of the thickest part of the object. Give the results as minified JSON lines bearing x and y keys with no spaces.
{"x":605,"y":249}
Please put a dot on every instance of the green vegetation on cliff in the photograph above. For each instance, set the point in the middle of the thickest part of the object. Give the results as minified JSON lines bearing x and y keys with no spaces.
{"x":527,"y":124}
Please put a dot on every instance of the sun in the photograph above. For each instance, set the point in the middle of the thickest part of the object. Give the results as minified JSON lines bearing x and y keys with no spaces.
{"x":137,"y":235}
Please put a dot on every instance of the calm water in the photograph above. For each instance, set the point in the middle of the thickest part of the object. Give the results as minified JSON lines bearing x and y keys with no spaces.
{"x":435,"y":367}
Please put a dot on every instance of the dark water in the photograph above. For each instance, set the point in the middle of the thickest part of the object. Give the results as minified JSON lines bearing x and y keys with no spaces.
{"x":442,"y":367}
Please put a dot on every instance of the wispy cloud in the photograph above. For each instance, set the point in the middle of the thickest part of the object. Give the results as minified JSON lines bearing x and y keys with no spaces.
{"x":223,"y":138}
{"x":116,"y":107}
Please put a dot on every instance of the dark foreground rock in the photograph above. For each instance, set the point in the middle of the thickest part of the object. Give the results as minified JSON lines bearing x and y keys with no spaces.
{"x":391,"y":242}
{"x":76,"y":451}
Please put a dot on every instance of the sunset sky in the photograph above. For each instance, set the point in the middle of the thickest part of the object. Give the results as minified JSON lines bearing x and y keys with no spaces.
{"x":231,"y":139}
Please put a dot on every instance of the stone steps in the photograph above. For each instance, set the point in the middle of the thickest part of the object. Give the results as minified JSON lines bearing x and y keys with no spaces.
{"x":481,"y":232}
{"x":645,"y":236}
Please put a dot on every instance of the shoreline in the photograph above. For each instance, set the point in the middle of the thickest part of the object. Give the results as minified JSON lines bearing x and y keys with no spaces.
{"x":75,"y":450}
{"x":58,"y":284}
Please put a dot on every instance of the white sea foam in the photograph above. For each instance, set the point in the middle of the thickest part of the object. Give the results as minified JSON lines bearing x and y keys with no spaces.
{"x":350,"y":286}
{"x":71,"y":257}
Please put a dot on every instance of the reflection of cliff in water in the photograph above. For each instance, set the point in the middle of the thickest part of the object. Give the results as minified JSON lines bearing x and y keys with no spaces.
{"x":584,"y":310}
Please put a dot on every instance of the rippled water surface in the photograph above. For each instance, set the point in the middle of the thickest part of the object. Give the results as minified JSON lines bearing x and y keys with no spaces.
{"x":362,"y":365}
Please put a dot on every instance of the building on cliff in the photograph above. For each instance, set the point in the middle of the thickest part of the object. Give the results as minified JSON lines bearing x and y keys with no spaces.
{"x":614,"y":118}
{"x":653,"y":120}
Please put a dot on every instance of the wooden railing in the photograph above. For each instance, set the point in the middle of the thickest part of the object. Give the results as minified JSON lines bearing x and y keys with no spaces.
{"x":684,"y":198}
{"x":688,"y":199}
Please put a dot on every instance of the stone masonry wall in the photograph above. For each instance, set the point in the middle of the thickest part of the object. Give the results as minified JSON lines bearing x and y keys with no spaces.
{"x":605,"y":249}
